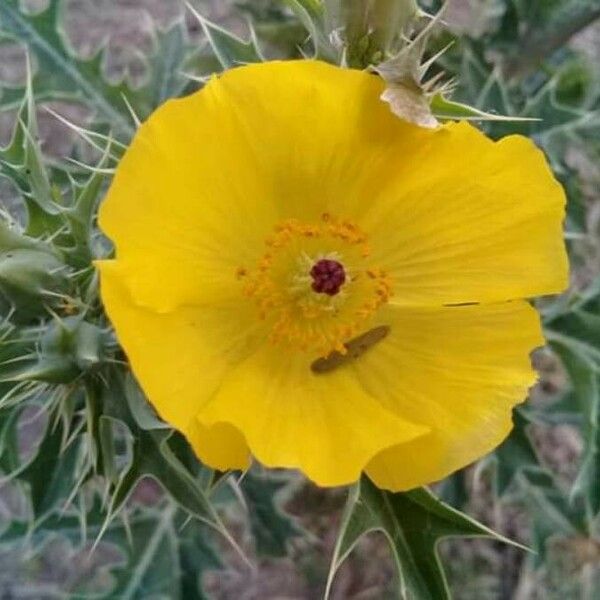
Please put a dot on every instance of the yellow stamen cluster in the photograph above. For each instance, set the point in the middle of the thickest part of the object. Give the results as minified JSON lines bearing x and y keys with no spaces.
{"x":281,"y":284}
{"x":346,"y":231}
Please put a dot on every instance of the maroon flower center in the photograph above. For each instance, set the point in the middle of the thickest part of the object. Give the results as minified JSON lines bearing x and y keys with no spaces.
{"x":328,"y":276}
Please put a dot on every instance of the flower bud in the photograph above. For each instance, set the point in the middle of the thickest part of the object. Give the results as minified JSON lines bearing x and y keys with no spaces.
{"x":370,"y":29}
{"x":81,"y":341}
{"x":67,"y":348}
{"x":27,"y":275}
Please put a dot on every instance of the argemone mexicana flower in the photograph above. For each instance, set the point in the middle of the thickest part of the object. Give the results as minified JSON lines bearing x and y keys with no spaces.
{"x":303,"y":277}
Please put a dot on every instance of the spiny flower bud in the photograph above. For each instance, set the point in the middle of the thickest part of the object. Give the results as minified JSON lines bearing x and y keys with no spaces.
{"x":68,"y":347}
{"x":81,"y":341}
{"x":28,"y":278}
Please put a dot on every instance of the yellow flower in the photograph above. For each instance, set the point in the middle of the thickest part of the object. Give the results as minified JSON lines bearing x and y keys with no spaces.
{"x":303,"y":277}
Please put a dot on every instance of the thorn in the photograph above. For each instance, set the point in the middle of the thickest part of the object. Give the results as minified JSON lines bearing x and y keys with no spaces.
{"x":197,"y":78}
{"x":237,"y":492}
{"x":92,"y":169}
{"x":430,"y":61}
{"x":86,"y":134}
{"x":132,"y":112}
{"x":187,"y":521}
{"x":107,"y":521}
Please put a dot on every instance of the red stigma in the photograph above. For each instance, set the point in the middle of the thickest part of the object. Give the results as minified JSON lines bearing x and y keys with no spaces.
{"x":328,"y":276}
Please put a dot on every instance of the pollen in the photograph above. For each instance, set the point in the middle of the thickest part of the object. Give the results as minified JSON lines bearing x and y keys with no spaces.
{"x":315,"y":285}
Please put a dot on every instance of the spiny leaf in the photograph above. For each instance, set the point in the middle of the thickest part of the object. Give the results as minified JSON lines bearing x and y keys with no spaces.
{"x":52,"y":474}
{"x":453,"y":490}
{"x":62,"y":74}
{"x":585,"y":381}
{"x":414,"y":523}
{"x":66,"y":523}
{"x":160,"y":554}
{"x":311,"y":13}
{"x":196,"y":555}
{"x":552,"y":512}
{"x":10,"y":239}
{"x":446,"y":109}
{"x":21,"y":161}
{"x":43,"y":33}
{"x":153,"y":456}
{"x":272,"y":529}
{"x":152,"y":566}
{"x":165,"y":77}
{"x":514,"y":455}
{"x":229,"y":49}
{"x":80,"y":216}
{"x":558,"y":124}
{"x":142,"y":412}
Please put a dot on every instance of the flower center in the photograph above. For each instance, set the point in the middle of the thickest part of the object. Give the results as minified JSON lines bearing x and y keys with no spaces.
{"x":315,"y":285}
{"x":328,"y":276}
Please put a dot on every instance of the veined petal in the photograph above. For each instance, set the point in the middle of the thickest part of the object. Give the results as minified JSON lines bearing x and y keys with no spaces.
{"x":187,"y":206}
{"x":234,"y":212}
{"x":326,"y":425}
{"x":455,"y":216}
{"x":180,"y":359}
{"x":470,"y":220}
{"x":207,"y":176}
{"x":458,"y":371}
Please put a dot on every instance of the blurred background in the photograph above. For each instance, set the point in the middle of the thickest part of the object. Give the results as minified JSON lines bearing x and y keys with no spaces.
{"x":542,"y":487}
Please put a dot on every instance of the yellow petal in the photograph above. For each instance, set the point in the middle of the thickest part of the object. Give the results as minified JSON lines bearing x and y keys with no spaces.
{"x":187,"y":206}
{"x":221,"y":446}
{"x":180,"y":359}
{"x":458,"y":371}
{"x":457,"y":217}
{"x":467,"y":219}
{"x":207,"y":177}
{"x":325,"y":425}
{"x":453,"y":216}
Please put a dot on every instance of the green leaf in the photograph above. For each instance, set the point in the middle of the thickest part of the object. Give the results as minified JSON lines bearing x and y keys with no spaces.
{"x":152,"y":561}
{"x":74,"y":525}
{"x":585,"y":381}
{"x":152,"y":457}
{"x":552,"y":512}
{"x":414,"y":523}
{"x":44,"y":35}
{"x":446,"y":109}
{"x":144,"y":415}
{"x":574,"y":334}
{"x":10,"y":239}
{"x":21,"y":161}
{"x":160,"y":553}
{"x":196,"y":555}
{"x":165,"y":68}
{"x":514,"y":455}
{"x":52,"y":475}
{"x":80,"y":216}
{"x":453,"y":490}
{"x":153,"y":454}
{"x":311,"y":14}
{"x":63,"y":74}
{"x":272,"y":529}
